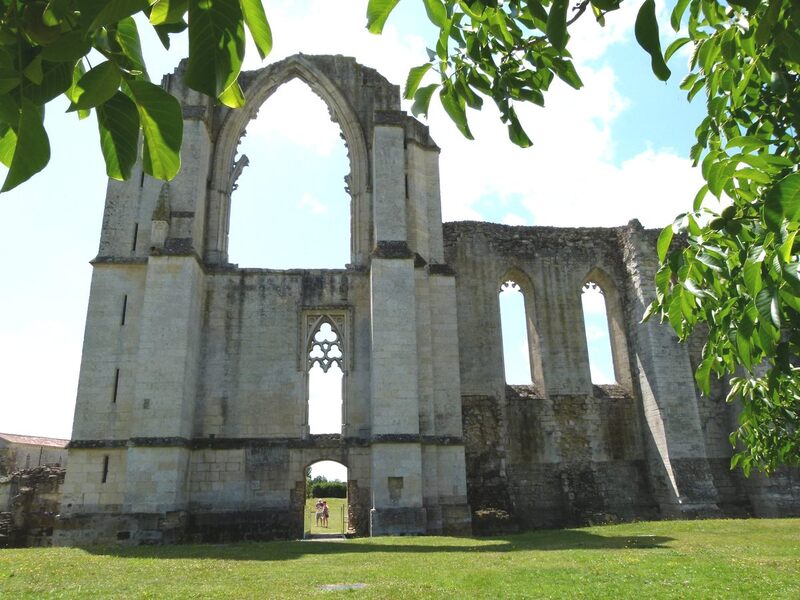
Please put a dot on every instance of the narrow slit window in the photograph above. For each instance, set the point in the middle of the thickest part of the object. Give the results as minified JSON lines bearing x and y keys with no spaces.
{"x":516,"y":349}
{"x":141,"y":179}
{"x":116,"y":387}
{"x":105,"y":469}
{"x":124,"y":309}
{"x":135,"y":237}
{"x":325,"y":380}
{"x":598,"y":340}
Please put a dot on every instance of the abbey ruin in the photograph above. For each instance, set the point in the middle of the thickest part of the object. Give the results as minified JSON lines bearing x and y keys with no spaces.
{"x":191,"y":421}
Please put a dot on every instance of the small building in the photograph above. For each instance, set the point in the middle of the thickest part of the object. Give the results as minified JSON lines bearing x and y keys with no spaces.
{"x":27,"y":451}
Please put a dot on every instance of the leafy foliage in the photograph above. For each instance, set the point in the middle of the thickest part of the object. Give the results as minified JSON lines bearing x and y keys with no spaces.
{"x":506,"y":50}
{"x":322,"y":488}
{"x":45,"y":49}
{"x":735,"y":270}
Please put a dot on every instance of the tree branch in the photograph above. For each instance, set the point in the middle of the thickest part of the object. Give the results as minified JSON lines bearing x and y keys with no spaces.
{"x":580,"y":9}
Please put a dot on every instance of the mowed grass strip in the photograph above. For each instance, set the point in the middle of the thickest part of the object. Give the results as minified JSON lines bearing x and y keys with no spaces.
{"x":667,"y":559}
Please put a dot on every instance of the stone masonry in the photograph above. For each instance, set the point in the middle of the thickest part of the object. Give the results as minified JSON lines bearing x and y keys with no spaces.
{"x":191,"y":420}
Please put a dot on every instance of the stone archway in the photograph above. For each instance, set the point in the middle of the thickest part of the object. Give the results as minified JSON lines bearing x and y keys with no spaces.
{"x":258,"y":88}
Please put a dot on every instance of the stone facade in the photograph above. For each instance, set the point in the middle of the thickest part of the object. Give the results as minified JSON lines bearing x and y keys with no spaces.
{"x":191,"y":420}
{"x":563,"y":451}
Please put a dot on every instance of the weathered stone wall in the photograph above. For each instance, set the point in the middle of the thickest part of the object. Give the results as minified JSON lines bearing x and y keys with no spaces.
{"x":564,"y":452}
{"x":191,"y":421}
{"x":192,"y":411}
{"x":29,"y":503}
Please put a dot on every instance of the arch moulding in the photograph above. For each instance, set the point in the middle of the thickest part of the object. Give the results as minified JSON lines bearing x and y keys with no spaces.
{"x":261,"y":85}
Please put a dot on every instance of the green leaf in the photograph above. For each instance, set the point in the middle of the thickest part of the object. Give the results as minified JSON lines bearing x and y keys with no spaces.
{"x":168,"y":11}
{"x":751,"y":273}
{"x":783,"y":200}
{"x":33,"y":70}
{"x":565,"y":70}
{"x":69,"y":47}
{"x":785,"y":251}
{"x":256,"y":20}
{"x":677,"y":14}
{"x":675,"y":46}
{"x":118,"y":122}
{"x":56,"y":78}
{"x":162,"y":124}
{"x":454,"y":105}
{"x":415,"y":76}
{"x":766,"y":27}
{"x":32,"y":150}
{"x":515,"y":131}
{"x":8,"y":143}
{"x":694,"y":289}
{"x":422,"y":100}
{"x":703,"y":375}
{"x":437,"y":12}
{"x":128,"y":39}
{"x":96,"y":87}
{"x":698,"y":199}
{"x":646,"y":30}
{"x":768,"y":307}
{"x":557,"y":24}
{"x":377,"y":13}
{"x":664,"y":239}
{"x":163,"y":31}
{"x":116,"y":10}
{"x":233,"y":96}
{"x":216,"y":45}
{"x":9,"y":79}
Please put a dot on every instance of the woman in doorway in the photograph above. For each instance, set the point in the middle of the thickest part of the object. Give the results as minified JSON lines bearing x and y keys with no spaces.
{"x":325,"y":513}
{"x":319,"y":506}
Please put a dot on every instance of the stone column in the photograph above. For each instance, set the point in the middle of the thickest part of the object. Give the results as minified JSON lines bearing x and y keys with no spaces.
{"x":396,"y":452}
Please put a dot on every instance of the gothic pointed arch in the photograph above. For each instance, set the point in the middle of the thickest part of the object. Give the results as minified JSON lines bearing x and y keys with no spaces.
{"x":599,"y":278}
{"x":515,"y":278}
{"x":258,"y":87}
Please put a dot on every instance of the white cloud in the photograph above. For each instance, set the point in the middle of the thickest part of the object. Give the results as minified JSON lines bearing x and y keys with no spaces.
{"x":596,"y":332}
{"x":294,"y":114}
{"x":513,"y":219}
{"x":599,"y":376}
{"x":311,"y":204}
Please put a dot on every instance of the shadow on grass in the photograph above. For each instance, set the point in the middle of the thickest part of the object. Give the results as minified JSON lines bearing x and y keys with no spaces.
{"x":291,"y":550}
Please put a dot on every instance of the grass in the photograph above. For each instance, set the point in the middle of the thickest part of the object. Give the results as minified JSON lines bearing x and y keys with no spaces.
{"x":337,"y":520}
{"x":677,"y":559}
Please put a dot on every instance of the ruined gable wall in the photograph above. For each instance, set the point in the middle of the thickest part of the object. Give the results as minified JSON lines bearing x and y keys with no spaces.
{"x":561,"y":451}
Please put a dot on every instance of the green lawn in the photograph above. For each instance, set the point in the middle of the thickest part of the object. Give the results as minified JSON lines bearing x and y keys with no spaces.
{"x":684,"y":559}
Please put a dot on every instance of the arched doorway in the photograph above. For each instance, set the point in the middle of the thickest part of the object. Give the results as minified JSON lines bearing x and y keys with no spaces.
{"x":326,"y":509}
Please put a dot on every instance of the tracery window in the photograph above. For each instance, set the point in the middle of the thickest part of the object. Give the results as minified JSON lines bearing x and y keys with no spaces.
{"x":325,"y":355}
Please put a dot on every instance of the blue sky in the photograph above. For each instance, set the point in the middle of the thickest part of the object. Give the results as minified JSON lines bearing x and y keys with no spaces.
{"x":613,"y":151}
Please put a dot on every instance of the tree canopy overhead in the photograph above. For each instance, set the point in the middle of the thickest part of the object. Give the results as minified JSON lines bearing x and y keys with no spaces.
{"x":734,"y":270}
